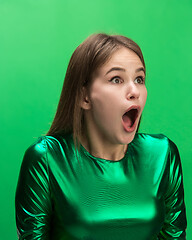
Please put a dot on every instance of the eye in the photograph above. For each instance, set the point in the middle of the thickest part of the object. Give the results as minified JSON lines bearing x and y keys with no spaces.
{"x":140,"y":80}
{"x":116,"y":80}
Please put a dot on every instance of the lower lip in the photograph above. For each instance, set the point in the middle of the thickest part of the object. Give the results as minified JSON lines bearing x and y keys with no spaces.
{"x":130,"y":129}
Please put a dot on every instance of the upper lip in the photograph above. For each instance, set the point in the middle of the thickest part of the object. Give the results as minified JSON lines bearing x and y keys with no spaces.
{"x":133,"y":107}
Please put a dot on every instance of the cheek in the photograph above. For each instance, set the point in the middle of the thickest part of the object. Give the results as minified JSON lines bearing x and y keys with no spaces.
{"x":103,"y":104}
{"x":144,"y":96}
{"x":100,"y":97}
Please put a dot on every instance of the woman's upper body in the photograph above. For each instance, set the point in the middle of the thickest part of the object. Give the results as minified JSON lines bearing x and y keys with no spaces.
{"x":120,"y":185}
{"x":64,"y":194}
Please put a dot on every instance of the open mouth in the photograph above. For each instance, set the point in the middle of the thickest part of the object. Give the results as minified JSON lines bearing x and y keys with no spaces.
{"x":129,"y":118}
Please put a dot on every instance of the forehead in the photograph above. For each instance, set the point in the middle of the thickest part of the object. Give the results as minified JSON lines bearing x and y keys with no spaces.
{"x":124,"y":58}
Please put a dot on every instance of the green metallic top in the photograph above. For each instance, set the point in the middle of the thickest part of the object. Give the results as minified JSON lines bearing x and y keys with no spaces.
{"x":67,"y":195}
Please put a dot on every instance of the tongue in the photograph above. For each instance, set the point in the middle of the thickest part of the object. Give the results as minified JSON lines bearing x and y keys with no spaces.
{"x":127,"y":121}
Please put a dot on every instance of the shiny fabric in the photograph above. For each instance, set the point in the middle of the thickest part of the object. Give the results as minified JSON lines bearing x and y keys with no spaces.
{"x":67,"y":195}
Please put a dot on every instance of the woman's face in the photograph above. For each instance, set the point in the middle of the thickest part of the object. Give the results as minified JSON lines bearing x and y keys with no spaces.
{"x":118,"y":87}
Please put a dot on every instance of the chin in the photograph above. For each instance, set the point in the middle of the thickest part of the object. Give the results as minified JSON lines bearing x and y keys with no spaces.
{"x":128,"y":138}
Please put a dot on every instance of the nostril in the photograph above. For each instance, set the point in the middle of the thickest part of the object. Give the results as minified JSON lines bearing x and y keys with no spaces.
{"x":131,"y":96}
{"x":133,"y":92}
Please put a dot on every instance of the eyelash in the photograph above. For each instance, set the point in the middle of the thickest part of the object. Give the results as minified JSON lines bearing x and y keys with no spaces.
{"x":139,"y":77}
{"x":142,"y":79}
{"x":116,"y":77}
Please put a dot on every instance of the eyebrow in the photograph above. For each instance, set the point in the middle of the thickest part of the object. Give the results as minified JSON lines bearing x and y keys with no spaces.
{"x":140,"y":69}
{"x":123,"y":70}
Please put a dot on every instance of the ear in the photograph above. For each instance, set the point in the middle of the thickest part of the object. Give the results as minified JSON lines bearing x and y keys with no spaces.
{"x":85,"y":102}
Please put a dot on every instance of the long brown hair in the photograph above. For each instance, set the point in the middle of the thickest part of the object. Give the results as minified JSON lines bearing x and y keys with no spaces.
{"x":85,"y":60}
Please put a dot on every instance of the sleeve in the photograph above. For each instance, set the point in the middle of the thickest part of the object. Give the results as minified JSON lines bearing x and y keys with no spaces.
{"x":175,"y":220}
{"x":33,"y":201}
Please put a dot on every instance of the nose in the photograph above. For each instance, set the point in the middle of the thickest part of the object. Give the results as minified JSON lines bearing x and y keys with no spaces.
{"x":133,"y":92}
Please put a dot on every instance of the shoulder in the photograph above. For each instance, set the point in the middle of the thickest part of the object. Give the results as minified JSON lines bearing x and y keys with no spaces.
{"x":156,"y":148}
{"x":41,"y":146}
{"x":37,"y":152}
{"x":159,"y":153}
{"x":48,"y":147}
{"x":155,"y":140}
{"x":152,"y":138}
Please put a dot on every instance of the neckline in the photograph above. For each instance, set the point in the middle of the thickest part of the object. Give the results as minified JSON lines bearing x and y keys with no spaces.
{"x":88,"y":154}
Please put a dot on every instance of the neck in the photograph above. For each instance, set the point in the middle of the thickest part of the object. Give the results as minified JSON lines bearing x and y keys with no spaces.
{"x":100,"y":148}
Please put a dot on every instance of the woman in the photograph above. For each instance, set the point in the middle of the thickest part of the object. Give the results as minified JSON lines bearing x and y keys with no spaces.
{"x":93,"y":177}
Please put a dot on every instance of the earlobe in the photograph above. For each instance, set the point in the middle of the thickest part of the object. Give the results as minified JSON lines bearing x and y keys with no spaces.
{"x":85,"y":101}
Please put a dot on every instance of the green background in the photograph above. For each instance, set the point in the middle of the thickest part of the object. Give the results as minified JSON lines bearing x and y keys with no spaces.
{"x":37,"y":38}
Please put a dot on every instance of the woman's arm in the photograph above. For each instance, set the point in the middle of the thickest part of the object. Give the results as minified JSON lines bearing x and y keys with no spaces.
{"x":33,"y":202}
{"x":175,"y":222}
